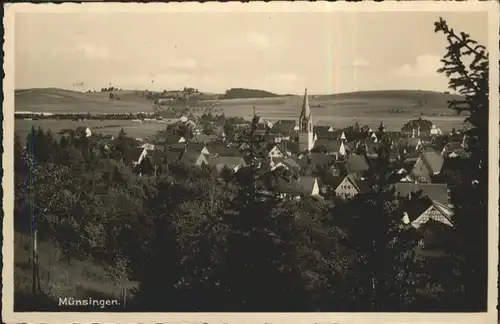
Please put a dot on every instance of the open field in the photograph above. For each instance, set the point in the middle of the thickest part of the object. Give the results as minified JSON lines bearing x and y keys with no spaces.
{"x":356,"y":104}
{"x":394,"y":108}
{"x":107,"y":127}
{"x":67,"y":101}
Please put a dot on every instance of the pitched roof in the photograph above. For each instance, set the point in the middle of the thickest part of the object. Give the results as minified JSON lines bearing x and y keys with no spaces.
{"x":271,"y":146}
{"x":361,"y":185}
{"x":229,"y":161}
{"x":318,"y":159}
{"x":435,"y":191}
{"x":412,"y":142}
{"x":329,"y":144}
{"x":333,"y":181}
{"x":433,"y":160}
{"x":356,"y":164}
{"x":135,"y":153}
{"x":321,"y":129}
{"x":283,"y":126}
{"x":222,"y":149}
{"x":202,"y":138}
{"x":289,"y":162}
{"x":190,"y":157}
{"x":196,"y":147}
{"x":452,"y":146}
{"x":291,"y":146}
{"x":304,"y":185}
{"x":181,"y":147}
{"x":159,"y":157}
{"x":171,"y":139}
{"x":416,"y":207}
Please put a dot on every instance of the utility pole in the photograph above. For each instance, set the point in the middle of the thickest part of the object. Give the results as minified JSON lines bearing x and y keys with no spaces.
{"x":33,"y":227}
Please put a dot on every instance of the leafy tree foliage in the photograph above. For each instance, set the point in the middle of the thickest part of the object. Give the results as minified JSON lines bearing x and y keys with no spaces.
{"x":421,"y":124}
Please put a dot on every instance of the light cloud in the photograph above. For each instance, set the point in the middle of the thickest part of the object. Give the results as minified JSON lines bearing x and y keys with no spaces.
{"x":360,"y":63}
{"x":258,"y":39}
{"x":92,"y":51}
{"x":425,"y":66}
{"x":187,"y":63}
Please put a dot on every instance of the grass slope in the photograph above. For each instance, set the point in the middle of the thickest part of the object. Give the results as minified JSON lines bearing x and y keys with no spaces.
{"x":433,"y":98}
{"x":67,"y":101}
{"x":77,"y":279}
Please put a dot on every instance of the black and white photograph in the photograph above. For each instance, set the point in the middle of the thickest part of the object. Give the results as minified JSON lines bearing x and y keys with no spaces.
{"x":238,"y":158}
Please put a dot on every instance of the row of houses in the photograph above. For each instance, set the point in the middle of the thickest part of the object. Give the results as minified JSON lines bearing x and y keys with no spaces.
{"x":345,"y":177}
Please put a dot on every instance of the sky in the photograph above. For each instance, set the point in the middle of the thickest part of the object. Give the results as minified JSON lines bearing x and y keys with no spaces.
{"x":279,"y":52}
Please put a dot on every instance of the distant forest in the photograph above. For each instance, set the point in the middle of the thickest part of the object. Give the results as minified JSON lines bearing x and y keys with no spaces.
{"x":238,"y":93}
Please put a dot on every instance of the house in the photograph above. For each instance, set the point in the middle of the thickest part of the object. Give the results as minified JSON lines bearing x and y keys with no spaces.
{"x":333,"y":147}
{"x":356,"y":165}
{"x":137,"y":155}
{"x":203,"y":138}
{"x":435,"y":131}
{"x":198,"y":147}
{"x":322,"y":131}
{"x":178,"y":147}
{"x":370,"y":149}
{"x":191,"y":147}
{"x":190,"y":123}
{"x":193,"y":158}
{"x":175,"y":139}
{"x":283,"y":127}
{"x":403,"y":174}
{"x":304,"y":186}
{"x":287,"y":163}
{"x":290,"y":147}
{"x":274,"y":152}
{"x":349,"y":187}
{"x":437,"y":192}
{"x":219,"y":148}
{"x":83,"y":131}
{"x":147,"y":146}
{"x":458,"y":154}
{"x":418,"y":212}
{"x":414,"y":143}
{"x":318,"y":160}
{"x":159,"y":157}
{"x":428,"y":165}
{"x":452,"y":147}
{"x":233,"y":163}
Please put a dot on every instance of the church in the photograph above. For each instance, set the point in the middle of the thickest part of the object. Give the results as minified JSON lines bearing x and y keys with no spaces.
{"x":305,"y":126}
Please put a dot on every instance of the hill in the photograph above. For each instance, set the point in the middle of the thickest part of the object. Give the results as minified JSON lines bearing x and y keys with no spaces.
{"x":418,"y":97}
{"x":241,"y":93}
{"x":67,"y":101}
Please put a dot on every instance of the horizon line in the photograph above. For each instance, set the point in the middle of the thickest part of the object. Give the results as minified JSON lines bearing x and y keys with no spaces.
{"x":448,"y":91}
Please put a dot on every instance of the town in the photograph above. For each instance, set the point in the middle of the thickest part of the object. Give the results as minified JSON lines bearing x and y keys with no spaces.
{"x":184,"y":201}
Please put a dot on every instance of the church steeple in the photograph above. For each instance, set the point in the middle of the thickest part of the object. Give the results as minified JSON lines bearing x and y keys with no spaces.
{"x":306,"y":137}
{"x":306,"y":109}
{"x":305,"y":121}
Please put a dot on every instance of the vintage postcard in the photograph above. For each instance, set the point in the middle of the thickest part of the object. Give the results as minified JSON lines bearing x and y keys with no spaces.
{"x":251,"y":163}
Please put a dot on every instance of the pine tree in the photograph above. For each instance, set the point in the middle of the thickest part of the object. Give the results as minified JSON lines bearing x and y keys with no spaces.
{"x":470,"y":198}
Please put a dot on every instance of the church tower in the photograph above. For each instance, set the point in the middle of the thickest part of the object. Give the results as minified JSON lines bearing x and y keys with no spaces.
{"x":306,"y":136}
